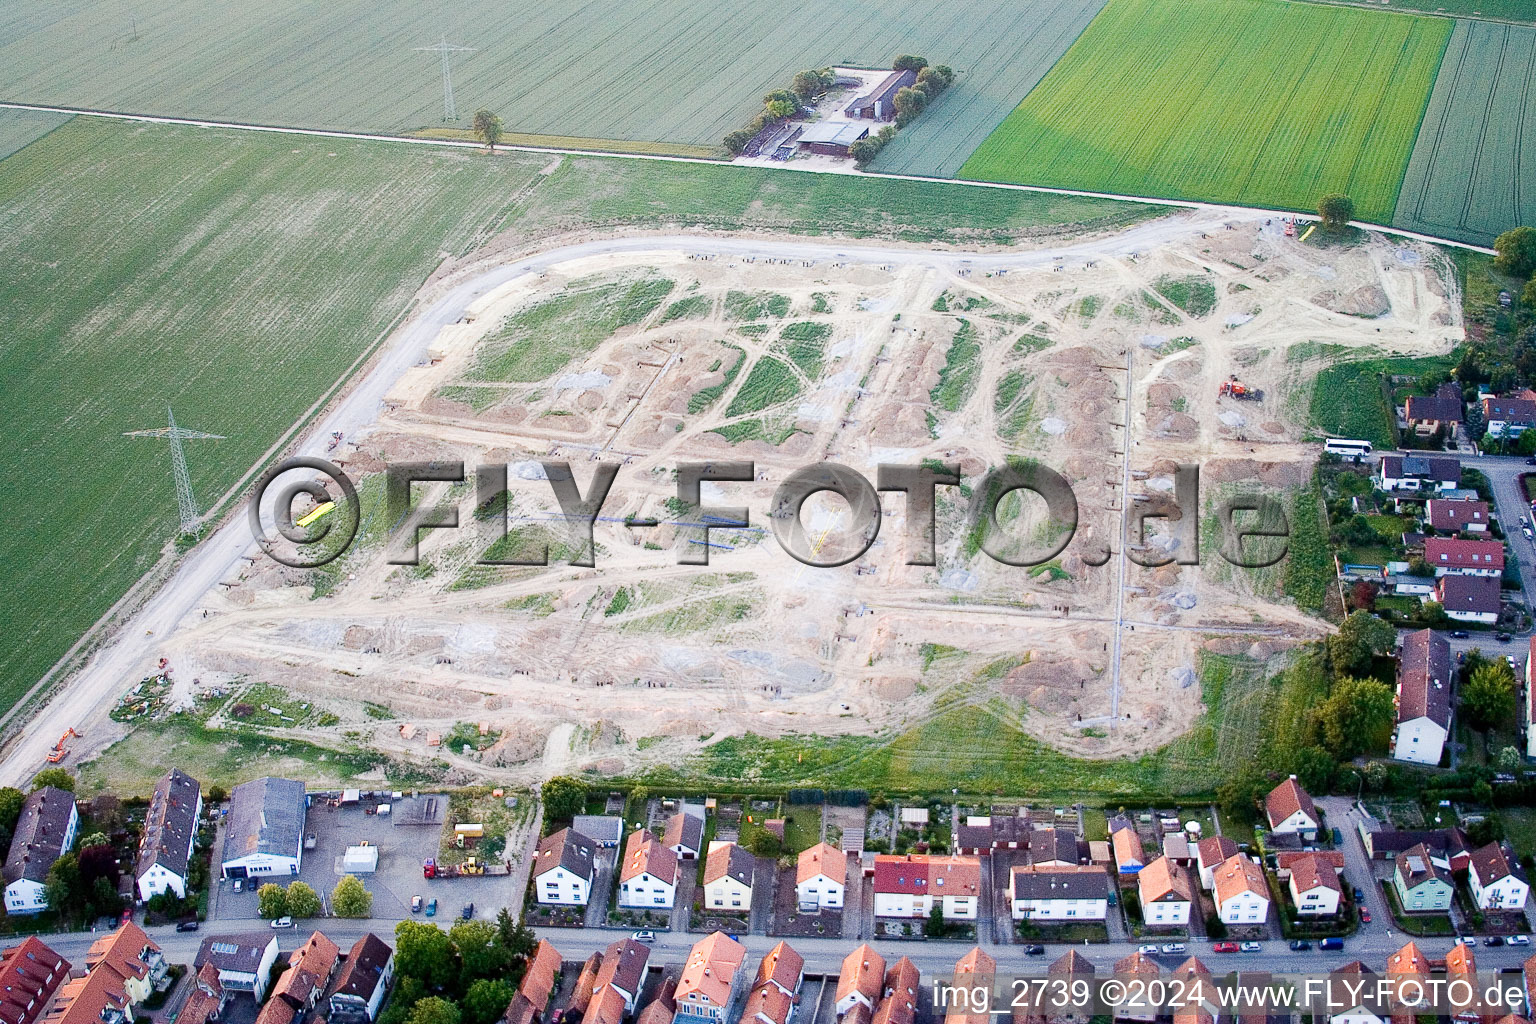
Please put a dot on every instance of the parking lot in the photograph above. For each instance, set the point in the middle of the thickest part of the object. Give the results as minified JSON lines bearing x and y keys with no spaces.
{"x":402,"y":848}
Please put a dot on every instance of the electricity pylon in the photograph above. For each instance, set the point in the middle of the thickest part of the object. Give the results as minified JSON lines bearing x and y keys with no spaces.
{"x":450,"y":112}
{"x":184,"y":501}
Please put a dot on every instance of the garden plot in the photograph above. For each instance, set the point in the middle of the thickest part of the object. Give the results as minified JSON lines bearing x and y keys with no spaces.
{"x":639,"y":662}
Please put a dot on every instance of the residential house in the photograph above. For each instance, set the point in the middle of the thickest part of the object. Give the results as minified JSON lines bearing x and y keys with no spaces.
{"x":647,"y":874}
{"x":264,"y":830}
{"x":276,"y":1011}
{"x":1464,"y":557}
{"x":1038,"y":1007}
{"x":1508,"y":417}
{"x":821,"y":874}
{"x":1210,"y":853}
{"x":44,"y":832}
{"x":728,"y":878}
{"x":205,"y":1003}
{"x":979,"y":835}
{"x":581,"y":995}
{"x":1439,"y":411}
{"x":661,"y":1009}
{"x":1469,"y":598}
{"x":684,"y":835}
{"x":1407,"y":966}
{"x":1353,"y":997}
{"x":309,"y":973}
{"x":771,"y":999}
{"x":1291,"y":811}
{"x":563,"y":867}
{"x":170,"y":833}
{"x":622,"y":971}
{"x":244,"y":961}
{"x":1314,"y":886}
{"x":30,"y":973}
{"x":898,"y":1003}
{"x":911,"y":885}
{"x":711,"y":980}
{"x":1418,"y":473}
{"x":1449,"y":844}
{"x":1422,"y":881}
{"x":1460,"y":516}
{"x":1285,"y":859}
{"x":1165,"y":894}
{"x":603,"y":829}
{"x":1126,"y":845}
{"x":1054,"y":847}
{"x":1176,"y":849}
{"x":859,"y":983}
{"x":976,"y":970}
{"x":1423,"y":698}
{"x":365,"y":978}
{"x":1496,"y":878}
{"x":1241,"y":892}
{"x":94,"y":998}
{"x":1055,"y":893}
{"x":1142,"y":977}
{"x":1461,"y":971}
{"x":133,"y":956}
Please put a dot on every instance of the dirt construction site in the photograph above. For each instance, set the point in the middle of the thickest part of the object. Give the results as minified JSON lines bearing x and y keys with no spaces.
{"x":1111,"y":367}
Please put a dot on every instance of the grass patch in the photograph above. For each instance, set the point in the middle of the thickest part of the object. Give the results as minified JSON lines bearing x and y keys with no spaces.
{"x":540,"y":339}
{"x":1194,"y":294}
{"x":756,"y":430}
{"x":755,"y":305}
{"x":706,"y":397}
{"x":1348,"y":399}
{"x":960,"y":365}
{"x":769,"y":383}
{"x":693,"y":307}
{"x":805,"y":343}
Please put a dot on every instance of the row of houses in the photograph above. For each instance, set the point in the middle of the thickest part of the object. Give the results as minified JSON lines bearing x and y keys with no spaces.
{"x":1505,"y":416}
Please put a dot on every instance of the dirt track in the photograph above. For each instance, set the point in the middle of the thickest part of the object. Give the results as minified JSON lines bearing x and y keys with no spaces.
{"x":451,"y":655}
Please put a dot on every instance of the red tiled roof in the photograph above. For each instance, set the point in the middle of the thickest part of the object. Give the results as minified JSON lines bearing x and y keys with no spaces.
{"x":1285,"y":800}
{"x":1459,"y":553}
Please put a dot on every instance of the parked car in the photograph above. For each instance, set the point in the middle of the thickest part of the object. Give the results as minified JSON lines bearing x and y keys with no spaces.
{"x":283,"y":922}
{"x":239,"y":885}
{"x":1503,"y":638}
{"x":1224,"y":947}
{"x":1147,"y":950}
{"x":1174,"y":947}
{"x":1359,"y":895}
{"x":1459,"y":634}
{"x":1494,"y":940}
{"x":468,"y":911}
{"x":186,"y":926}
{"x":645,"y":936}
{"x":1300,"y":945}
{"x":1519,"y":940}
{"x":1365,"y":916}
{"x":415,"y":904}
{"x":1252,"y":947}
{"x":1034,"y":949}
{"x":1330,"y":944}
{"x":1467,"y":940}
{"x":432,"y":907}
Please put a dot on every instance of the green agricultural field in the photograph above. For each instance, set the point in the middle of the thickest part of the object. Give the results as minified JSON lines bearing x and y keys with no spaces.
{"x":1502,"y":10}
{"x":1259,"y":102}
{"x":676,"y":71}
{"x":19,"y":128}
{"x":1471,"y":173}
{"x":236,"y":276}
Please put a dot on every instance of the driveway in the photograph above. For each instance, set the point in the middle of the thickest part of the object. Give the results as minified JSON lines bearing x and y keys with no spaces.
{"x":1359,"y":869}
{"x":602,"y":886}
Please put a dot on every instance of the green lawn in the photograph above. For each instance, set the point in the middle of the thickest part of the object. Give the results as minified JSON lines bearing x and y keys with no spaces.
{"x":1260,"y":102}
{"x":1348,"y":399}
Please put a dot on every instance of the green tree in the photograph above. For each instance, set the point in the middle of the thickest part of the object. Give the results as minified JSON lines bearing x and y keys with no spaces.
{"x":1336,"y":210}
{"x":935,"y":927}
{"x":481,"y":954}
{"x":1516,"y":250}
{"x":408,"y":992}
{"x":65,"y":891}
{"x":423,"y":951}
{"x":808,"y":84}
{"x":351,"y":898}
{"x":1510,"y":759}
{"x":271,"y":901}
{"x":1528,"y":299}
{"x":515,"y":937}
{"x":762,"y":843}
{"x":488,"y":128}
{"x":1432,"y":614}
{"x":737,"y":140}
{"x":909,"y":103}
{"x":94,"y":839}
{"x":486,"y":1000}
{"x":11,"y":800}
{"x":303,"y":901}
{"x":1488,"y":696}
{"x":1357,"y":717}
{"x":58,"y":778}
{"x":1360,"y":637}
{"x":866,"y":149}
{"x":433,"y":1010}
{"x":909,"y":62}
{"x":934,"y":80}
{"x":781,"y":108}
{"x":104,"y":900}
{"x":563,"y":798}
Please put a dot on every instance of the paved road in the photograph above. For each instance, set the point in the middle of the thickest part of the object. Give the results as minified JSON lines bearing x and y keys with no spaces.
{"x":1503,"y":473}
{"x":136,"y":646}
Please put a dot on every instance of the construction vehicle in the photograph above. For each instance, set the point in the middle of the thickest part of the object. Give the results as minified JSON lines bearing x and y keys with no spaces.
{"x":59,"y":751}
{"x":1235,"y":388}
{"x":471,"y":868}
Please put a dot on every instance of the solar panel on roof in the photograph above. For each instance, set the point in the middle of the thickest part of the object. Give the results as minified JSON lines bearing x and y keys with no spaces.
{"x":225,"y":947}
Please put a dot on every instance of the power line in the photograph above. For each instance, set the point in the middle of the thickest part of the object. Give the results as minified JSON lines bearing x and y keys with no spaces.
{"x":450,"y":112}
{"x":184,"y":501}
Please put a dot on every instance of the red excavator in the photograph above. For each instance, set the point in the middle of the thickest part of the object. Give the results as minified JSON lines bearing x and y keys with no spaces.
{"x":1235,"y":388}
